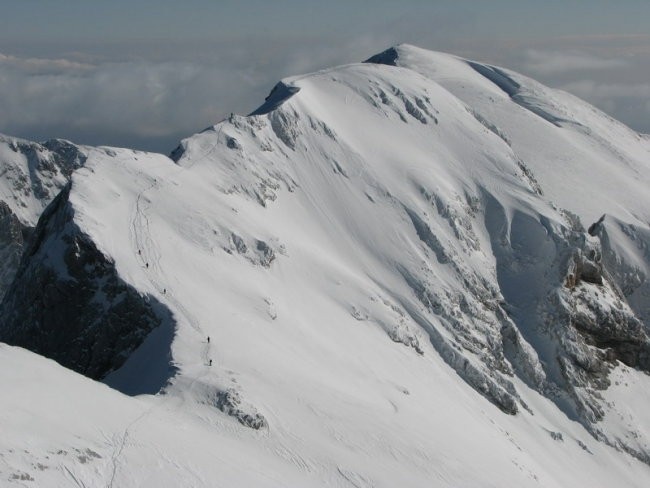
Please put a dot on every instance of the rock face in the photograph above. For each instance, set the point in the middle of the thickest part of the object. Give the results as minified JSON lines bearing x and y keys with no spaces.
{"x":68,"y":302}
{"x":230,"y":403}
{"x":558,"y":319}
{"x":32,"y":175}
{"x":594,"y":327}
{"x":12,"y":237}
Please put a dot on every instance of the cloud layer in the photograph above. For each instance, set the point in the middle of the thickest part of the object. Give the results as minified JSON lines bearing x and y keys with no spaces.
{"x":152,"y":101}
{"x":613,"y":76}
{"x":145,"y":101}
{"x":105,"y":103}
{"x":561,"y":62}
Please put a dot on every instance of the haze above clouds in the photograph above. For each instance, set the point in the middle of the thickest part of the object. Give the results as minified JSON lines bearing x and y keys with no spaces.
{"x":145,"y":76}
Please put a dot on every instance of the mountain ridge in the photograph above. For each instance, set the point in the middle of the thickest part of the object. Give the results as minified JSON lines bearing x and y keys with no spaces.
{"x":32,"y":175}
{"x":370,"y":231}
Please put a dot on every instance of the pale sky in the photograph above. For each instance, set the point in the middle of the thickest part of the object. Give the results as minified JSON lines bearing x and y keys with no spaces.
{"x":145,"y":73}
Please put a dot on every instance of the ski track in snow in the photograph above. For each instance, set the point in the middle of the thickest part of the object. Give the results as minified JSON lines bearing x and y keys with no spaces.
{"x":77,"y":482}
{"x":205,"y":156}
{"x":150,"y":255}
{"x":155,"y":272}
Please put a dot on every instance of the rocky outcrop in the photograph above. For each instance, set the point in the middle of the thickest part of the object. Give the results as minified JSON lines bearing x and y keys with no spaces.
{"x":68,"y":302}
{"x":590,"y":327}
{"x":12,"y":238}
{"x":569,"y":330}
{"x":584,"y":268}
{"x":38,"y":171}
{"x":32,"y":175}
{"x":626,"y":256}
{"x":230,"y":403}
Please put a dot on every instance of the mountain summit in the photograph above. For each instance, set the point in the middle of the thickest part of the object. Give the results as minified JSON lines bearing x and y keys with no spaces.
{"x":418,"y":271}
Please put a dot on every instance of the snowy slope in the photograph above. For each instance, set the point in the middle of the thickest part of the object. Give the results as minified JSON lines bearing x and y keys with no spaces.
{"x":580,"y":159}
{"x":584,"y":160}
{"x":400,"y":281}
{"x":61,"y":429}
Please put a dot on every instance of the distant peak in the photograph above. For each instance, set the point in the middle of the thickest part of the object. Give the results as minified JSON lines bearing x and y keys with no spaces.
{"x":280,"y":93}
{"x":402,"y":51}
{"x":388,"y":57}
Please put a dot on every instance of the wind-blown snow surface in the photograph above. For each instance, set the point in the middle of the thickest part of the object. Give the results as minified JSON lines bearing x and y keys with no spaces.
{"x":368,"y":251}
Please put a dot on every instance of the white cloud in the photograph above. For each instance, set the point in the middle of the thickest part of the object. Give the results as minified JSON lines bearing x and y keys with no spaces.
{"x":151,"y":104}
{"x":38,"y":66}
{"x":100,"y":103}
{"x":610,"y":72}
{"x":550,"y":62}
{"x":593,"y":89}
{"x":626,"y":102}
{"x":143,"y":97}
{"x":153,"y":100}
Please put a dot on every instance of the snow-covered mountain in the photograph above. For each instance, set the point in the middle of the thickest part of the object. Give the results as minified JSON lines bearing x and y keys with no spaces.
{"x":415,"y":271}
{"x":31,"y":176}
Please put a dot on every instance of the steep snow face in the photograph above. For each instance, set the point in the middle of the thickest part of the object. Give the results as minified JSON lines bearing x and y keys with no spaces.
{"x":32,"y":175}
{"x":68,"y":303}
{"x":433,"y":205}
{"x":352,"y":263}
{"x":583,"y":160}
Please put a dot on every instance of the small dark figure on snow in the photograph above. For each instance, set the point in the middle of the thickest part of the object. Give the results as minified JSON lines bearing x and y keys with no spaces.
{"x":210,"y":362}
{"x":164,"y":291}
{"x":208,"y":339}
{"x":147,"y":265}
{"x":139,"y":252}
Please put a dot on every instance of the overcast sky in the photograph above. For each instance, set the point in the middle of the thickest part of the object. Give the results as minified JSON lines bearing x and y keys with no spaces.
{"x":146,"y":73}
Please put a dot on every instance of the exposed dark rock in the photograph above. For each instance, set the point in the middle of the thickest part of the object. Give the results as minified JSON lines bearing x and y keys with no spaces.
{"x":232,"y":143}
{"x":578,"y":326}
{"x":66,"y":156}
{"x":591,"y":272}
{"x":12,"y":237}
{"x":229,"y":402}
{"x":45,"y":170}
{"x":239,"y":243}
{"x":279,"y":94}
{"x":613,"y":329}
{"x":265,"y":253}
{"x":388,"y":57}
{"x":68,"y":302}
{"x":427,"y":237}
{"x":596,"y":227}
{"x":582,"y":268}
{"x":44,"y":163}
